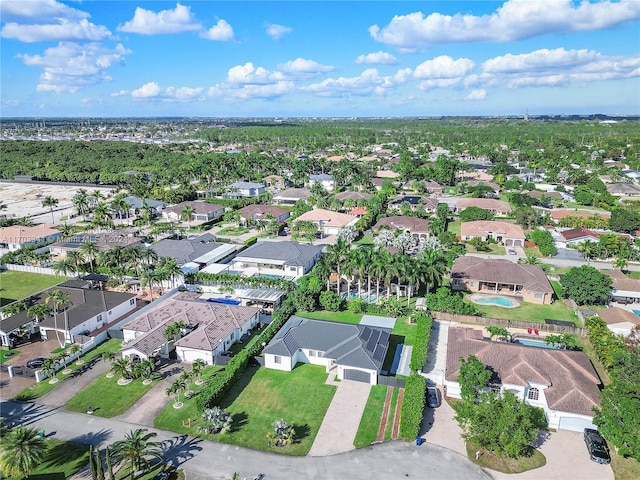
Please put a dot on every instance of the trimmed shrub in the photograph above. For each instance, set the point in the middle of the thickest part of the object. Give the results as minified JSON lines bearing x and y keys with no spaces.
{"x":250,"y":241}
{"x":421,"y":341}
{"x":412,"y":406}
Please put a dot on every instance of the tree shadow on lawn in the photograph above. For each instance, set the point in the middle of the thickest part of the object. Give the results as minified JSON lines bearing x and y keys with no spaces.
{"x":238,"y":387}
{"x":238,"y":420}
{"x":301,"y":432}
{"x":67,"y":453}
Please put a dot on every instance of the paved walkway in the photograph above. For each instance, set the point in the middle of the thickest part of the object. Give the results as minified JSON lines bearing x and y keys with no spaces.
{"x":207,"y":460}
{"x":341,"y":422}
{"x":434,"y":369}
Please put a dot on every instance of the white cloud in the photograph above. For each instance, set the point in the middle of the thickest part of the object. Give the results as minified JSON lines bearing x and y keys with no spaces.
{"x":478,"y":94}
{"x":248,"y":74}
{"x":120,"y":93}
{"x":148,"y":90}
{"x":220,"y":32}
{"x":277,"y":31}
{"x":301,"y":68}
{"x":153,"y":91}
{"x":182,"y":93}
{"x":70,"y":66}
{"x":250,"y":91}
{"x":443,"y":67}
{"x":64,"y":30}
{"x":367,"y":83}
{"x":147,"y":22}
{"x":514,"y":20}
{"x":37,"y":11}
{"x":558,"y":67}
{"x":377,"y":58}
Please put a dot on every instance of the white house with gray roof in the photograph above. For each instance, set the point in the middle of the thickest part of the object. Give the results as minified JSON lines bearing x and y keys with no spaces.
{"x":285,"y":259}
{"x":352,"y":352}
{"x":195,"y":253}
{"x":324,"y":179}
{"x":244,"y":190}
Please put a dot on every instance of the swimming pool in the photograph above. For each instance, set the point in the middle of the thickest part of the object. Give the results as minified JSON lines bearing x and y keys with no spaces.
{"x":365,"y":298}
{"x":270,"y":275}
{"x":637,"y":312}
{"x":535,"y":343}
{"x":498,"y":301}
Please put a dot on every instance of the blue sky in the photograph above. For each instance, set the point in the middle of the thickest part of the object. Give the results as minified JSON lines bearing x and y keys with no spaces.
{"x":318,"y":58}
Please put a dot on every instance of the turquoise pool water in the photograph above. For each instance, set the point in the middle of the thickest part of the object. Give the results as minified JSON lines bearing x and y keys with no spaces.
{"x":365,"y":298}
{"x":637,"y":312}
{"x":269,"y":275}
{"x":534,"y":343}
{"x":499,"y":301}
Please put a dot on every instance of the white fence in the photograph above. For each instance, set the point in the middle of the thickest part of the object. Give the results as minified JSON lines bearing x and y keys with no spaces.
{"x":30,"y":269}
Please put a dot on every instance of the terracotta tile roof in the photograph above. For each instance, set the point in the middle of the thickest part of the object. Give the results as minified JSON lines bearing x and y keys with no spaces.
{"x":480,"y":228}
{"x":22,"y":234}
{"x":531,"y":277}
{"x":572,"y":382}
{"x":485,"y":203}
{"x":561,"y":213}
{"x":413,"y":224}
{"x":330,"y":219}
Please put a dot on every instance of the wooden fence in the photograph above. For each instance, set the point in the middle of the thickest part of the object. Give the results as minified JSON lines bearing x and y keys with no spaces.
{"x":546,"y":327}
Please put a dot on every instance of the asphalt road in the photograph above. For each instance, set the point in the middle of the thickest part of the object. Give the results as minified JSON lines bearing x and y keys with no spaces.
{"x":209,"y":460}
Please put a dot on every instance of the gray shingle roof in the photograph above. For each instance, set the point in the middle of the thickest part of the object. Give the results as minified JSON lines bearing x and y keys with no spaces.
{"x":292,"y":253}
{"x":186,"y":250}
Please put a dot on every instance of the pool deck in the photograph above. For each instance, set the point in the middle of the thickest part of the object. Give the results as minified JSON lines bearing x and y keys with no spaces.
{"x":515,"y":302}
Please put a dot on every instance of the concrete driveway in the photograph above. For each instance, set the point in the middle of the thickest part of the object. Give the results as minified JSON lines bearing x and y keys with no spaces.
{"x":341,"y":422}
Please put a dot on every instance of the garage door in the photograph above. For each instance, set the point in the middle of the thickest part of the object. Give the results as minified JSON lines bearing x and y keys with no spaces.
{"x":357,"y":375}
{"x":574,"y":424}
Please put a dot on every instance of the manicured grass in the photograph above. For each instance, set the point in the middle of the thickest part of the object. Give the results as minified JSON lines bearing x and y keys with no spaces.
{"x":60,"y":349}
{"x":505,"y":464}
{"x":392,"y":415}
{"x":624,"y":468}
{"x":18,"y":285}
{"x":39,"y":389}
{"x":454,"y":227}
{"x":3,"y":354}
{"x":370,"y":420}
{"x":233,"y":231}
{"x":493,"y":249}
{"x":553,"y":269}
{"x":61,"y":461}
{"x":260,"y":397}
{"x":557,"y":288}
{"x":530,"y":312}
{"x":344,"y":316}
{"x":107,"y":398}
{"x":365,"y":240}
{"x":633,"y":274}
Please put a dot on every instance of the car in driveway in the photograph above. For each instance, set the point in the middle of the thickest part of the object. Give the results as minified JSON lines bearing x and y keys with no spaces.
{"x":433,"y":397}
{"x":35,"y":362}
{"x":596,"y":446}
{"x":512,"y":252}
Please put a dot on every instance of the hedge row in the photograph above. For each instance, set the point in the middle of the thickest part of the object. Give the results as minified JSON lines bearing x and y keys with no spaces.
{"x":220,"y":384}
{"x":421,"y":341}
{"x":412,"y":406}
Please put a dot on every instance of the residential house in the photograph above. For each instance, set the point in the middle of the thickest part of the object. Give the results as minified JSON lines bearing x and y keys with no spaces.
{"x":257,"y":212}
{"x":274,"y":182}
{"x":325,"y":180}
{"x":193,"y":254}
{"x":619,"y":320}
{"x":623,"y":288}
{"x":291,"y":196}
{"x":547,"y":196}
{"x":88,"y":310}
{"x":434,"y":188}
{"x":211,"y":328}
{"x":497,"y":207}
{"x":354,"y":196}
{"x":285,"y":259}
{"x":201,"y":211}
{"x":417,"y":227}
{"x":559,"y":214}
{"x":627,"y":190}
{"x":377,"y":183}
{"x":387,"y":174}
{"x":502,"y":277}
{"x":509,"y":234}
{"x":244,"y":190}
{"x":413,"y":201}
{"x":576,"y":236}
{"x":18,"y":236}
{"x":126,"y":237}
{"x":329,"y":222}
{"x":136,"y":204}
{"x":562,"y":382}
{"x":495,"y":188}
{"x":353,"y":352}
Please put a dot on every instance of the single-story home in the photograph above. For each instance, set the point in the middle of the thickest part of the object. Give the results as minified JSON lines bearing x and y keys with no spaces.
{"x":497,"y":207}
{"x":559,"y":214}
{"x":352,"y":352}
{"x":501,"y":277}
{"x":276,"y":182}
{"x":627,"y":189}
{"x":258,"y":212}
{"x":484,"y":183}
{"x":126,"y":237}
{"x":562,"y":382}
{"x":430,"y":204}
{"x":211,"y":328}
{"x":417,"y":227}
{"x":355,"y":196}
{"x":244,"y":190}
{"x":509,"y":234}
{"x":291,"y":196}
{"x":328,"y":221}
{"x":327,"y":181}
{"x":619,"y":320}
{"x":201,"y":211}
{"x":576,"y":236}
{"x":136,"y":204}
{"x":18,"y":236}
{"x":192,"y":254}
{"x":433,"y":188}
{"x":623,"y":288}
{"x":280,"y":258}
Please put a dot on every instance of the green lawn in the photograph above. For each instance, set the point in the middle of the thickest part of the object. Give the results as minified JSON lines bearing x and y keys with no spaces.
{"x":233,"y":231}
{"x":392,"y":415}
{"x":494,"y":249}
{"x":365,"y":240}
{"x":370,"y":421}
{"x":259,"y":398}
{"x":345,"y":316}
{"x":107,"y":397}
{"x":62,"y":460}
{"x":18,"y":285}
{"x":530,"y":312}
{"x":39,"y":389}
{"x":3,"y":354}
{"x":454,"y":227}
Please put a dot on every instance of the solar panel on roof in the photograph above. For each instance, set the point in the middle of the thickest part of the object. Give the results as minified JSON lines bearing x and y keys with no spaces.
{"x":371,"y":344}
{"x":384,"y":338}
{"x":365,"y":334}
{"x":378,"y":355}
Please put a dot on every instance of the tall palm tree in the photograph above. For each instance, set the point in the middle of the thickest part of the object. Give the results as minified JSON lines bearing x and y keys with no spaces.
{"x":169,"y":269}
{"x":39,"y":312}
{"x":50,"y":202}
{"x":59,"y":300}
{"x":120,"y":206}
{"x":77,"y":259}
{"x":89,"y":251}
{"x":434,"y":266}
{"x":81,"y":203}
{"x":149,"y":278}
{"x":337,"y":255}
{"x":21,"y":450}
{"x":64,"y":267}
{"x":135,"y":449}
{"x":185,"y":215}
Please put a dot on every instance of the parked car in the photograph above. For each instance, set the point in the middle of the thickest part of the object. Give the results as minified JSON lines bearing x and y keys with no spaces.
{"x":433,"y":397}
{"x":35,"y":362}
{"x":597,"y":446}
{"x":512,"y":252}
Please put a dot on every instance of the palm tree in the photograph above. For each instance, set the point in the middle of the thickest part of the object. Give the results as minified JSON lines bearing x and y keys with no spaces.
{"x":119,"y":205}
{"x":89,"y":251}
{"x":121,"y":367}
{"x":50,"y":202}
{"x":66,"y":229}
{"x":77,"y":258}
{"x":169,"y":269}
{"x":530,"y":259}
{"x":434,"y":265}
{"x":135,"y":448}
{"x":620,"y":263}
{"x":65,"y":267}
{"x":59,"y":300}
{"x":13,"y":308}
{"x":337,"y":255}
{"x":185,"y":215}
{"x":39,"y":312}
{"x":196,"y":367}
{"x":22,"y":450}
{"x":81,"y":203}
{"x":148,"y":279}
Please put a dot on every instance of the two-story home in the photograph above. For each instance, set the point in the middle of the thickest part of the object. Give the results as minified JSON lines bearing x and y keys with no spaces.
{"x":291,"y":196}
{"x":244,"y":190}
{"x":324,"y":179}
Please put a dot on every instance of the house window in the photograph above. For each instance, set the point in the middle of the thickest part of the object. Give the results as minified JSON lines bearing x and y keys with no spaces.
{"x":473,"y":284}
{"x":99,"y":318}
{"x":495,"y":388}
{"x":132,"y":301}
{"x":533,"y":394}
{"x":277,"y":359}
{"x":537,"y":295}
{"x":456,"y":282}
{"x":312,"y":353}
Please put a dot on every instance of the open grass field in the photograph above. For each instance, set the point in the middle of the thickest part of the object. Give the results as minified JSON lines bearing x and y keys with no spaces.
{"x":530,"y":312}
{"x":61,"y":461}
{"x":18,"y":285}
{"x":261,"y":397}
{"x":39,"y":389}
{"x":344,"y":316}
